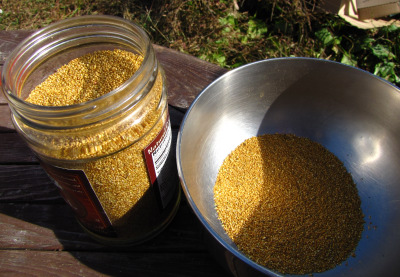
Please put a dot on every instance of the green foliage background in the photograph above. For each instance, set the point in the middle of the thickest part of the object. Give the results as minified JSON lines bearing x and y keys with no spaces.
{"x":231,"y":33}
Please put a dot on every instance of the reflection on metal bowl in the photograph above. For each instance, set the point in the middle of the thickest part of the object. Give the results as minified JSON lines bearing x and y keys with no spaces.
{"x":354,"y":114}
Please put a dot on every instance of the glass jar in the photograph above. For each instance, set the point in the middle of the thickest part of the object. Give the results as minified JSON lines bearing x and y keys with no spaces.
{"x":111,"y":156}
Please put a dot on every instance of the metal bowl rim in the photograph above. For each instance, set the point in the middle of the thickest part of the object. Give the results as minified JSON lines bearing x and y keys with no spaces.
{"x":197,"y":212}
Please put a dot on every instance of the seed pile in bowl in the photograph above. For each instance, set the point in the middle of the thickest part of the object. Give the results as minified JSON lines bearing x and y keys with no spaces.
{"x":289,"y":204}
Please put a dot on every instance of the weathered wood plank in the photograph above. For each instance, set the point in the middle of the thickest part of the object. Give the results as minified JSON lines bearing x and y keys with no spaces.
{"x":9,"y":40}
{"x":42,"y":263}
{"x":13,"y":150}
{"x":54,"y":227}
{"x":23,"y":183}
{"x":5,"y":119}
{"x":49,"y":263}
{"x":38,"y":227}
{"x":186,"y":75}
{"x":2,"y":98}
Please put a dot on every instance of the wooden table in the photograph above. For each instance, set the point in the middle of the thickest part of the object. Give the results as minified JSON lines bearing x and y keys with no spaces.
{"x":38,"y":233}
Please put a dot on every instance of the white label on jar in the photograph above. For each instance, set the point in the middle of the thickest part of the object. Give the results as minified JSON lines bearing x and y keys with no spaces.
{"x":160,"y":154}
{"x":157,"y":155}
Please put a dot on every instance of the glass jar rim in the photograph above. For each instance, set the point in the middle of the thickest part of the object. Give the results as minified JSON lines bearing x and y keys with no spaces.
{"x":57,"y":27}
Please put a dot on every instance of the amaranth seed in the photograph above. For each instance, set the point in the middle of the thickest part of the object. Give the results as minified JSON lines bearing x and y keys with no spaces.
{"x":289,"y":204}
{"x":111,"y":156}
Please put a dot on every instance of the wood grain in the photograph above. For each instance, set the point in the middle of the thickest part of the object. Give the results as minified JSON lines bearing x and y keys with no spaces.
{"x":38,"y":226}
{"x":14,"y":150}
{"x":185,"y":75}
{"x":54,"y":263}
{"x":5,"y":119}
{"x":9,"y":40}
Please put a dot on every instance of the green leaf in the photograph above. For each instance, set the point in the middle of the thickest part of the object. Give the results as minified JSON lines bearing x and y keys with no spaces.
{"x":367,"y":43}
{"x":382,"y":52}
{"x":387,"y":72}
{"x":221,"y":41}
{"x":335,"y":49}
{"x":221,"y":59}
{"x":228,"y":20}
{"x":346,"y":59}
{"x":257,"y":28}
{"x":226,"y":30}
{"x":391,"y":28}
{"x":325,"y":37}
{"x":384,"y":69}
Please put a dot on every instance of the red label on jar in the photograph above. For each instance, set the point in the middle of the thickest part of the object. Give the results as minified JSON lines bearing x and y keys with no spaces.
{"x":160,"y":164}
{"x":75,"y":188}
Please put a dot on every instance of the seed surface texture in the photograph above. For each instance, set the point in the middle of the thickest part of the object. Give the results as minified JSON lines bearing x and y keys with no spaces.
{"x":289,"y":204}
{"x":111,"y":152}
{"x":86,"y":78}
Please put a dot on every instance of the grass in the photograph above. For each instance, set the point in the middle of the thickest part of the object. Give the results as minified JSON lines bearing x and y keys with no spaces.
{"x":231,"y":33}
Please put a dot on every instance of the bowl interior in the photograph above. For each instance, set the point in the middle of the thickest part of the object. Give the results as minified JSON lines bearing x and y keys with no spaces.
{"x":352,"y":113}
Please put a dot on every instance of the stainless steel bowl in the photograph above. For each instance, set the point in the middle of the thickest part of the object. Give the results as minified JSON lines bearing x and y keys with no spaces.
{"x":351,"y":112}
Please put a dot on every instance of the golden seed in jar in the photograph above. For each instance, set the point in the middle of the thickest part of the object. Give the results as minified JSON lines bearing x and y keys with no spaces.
{"x":113,"y":154}
{"x":289,"y":204}
{"x":86,"y":78}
